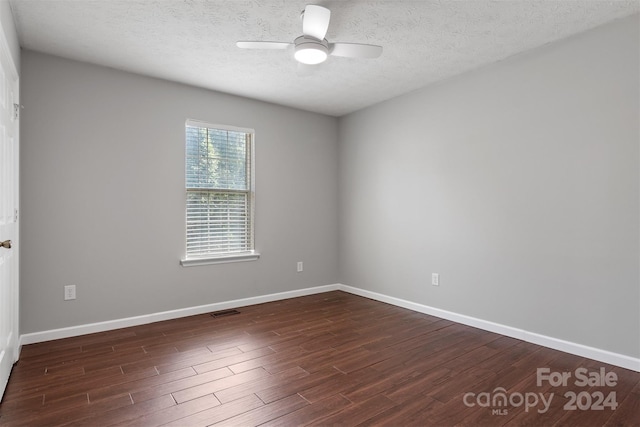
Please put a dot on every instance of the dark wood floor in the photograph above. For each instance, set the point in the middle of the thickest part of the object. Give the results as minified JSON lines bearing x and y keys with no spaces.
{"x":327,"y":359}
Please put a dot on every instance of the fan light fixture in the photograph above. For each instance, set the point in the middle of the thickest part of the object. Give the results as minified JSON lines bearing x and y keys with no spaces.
{"x":310,"y":51}
{"x":310,"y":54}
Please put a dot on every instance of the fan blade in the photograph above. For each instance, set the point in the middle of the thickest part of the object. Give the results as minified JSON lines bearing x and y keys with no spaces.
{"x":315,"y":21}
{"x":355,"y":50}
{"x":263,"y":45}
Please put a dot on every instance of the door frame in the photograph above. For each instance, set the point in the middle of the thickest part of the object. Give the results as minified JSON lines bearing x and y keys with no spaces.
{"x":13,"y":105}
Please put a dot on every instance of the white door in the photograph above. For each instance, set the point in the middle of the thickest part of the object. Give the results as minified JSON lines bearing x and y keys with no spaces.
{"x":9,"y":110}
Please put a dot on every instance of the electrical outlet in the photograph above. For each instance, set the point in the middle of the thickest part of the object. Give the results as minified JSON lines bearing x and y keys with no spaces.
{"x":300,"y":266}
{"x":69,"y":292}
{"x":435,"y":279}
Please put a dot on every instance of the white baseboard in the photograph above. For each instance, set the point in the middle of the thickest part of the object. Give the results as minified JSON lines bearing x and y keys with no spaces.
{"x":604,"y":356}
{"x":600,"y":355}
{"x":109,"y":325}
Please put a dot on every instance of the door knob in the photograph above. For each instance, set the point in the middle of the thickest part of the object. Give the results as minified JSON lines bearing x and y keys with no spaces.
{"x":6,"y":244}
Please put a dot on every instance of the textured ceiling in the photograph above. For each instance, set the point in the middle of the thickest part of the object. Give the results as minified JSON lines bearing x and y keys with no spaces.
{"x":193,"y":41}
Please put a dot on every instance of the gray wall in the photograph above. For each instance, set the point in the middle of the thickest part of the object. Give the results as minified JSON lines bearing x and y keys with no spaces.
{"x":518,"y":183}
{"x":103,"y":195}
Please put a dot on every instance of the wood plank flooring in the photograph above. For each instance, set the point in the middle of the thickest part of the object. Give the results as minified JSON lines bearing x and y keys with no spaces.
{"x":326,"y":359}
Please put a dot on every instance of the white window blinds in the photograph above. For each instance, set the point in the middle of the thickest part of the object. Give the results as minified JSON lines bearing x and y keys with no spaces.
{"x":219,"y":165}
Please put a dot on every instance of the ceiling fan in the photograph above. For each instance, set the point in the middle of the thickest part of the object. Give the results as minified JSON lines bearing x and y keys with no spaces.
{"x":311,"y":47}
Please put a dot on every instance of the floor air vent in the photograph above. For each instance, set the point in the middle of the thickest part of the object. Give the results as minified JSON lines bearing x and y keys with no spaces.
{"x":224,"y":313}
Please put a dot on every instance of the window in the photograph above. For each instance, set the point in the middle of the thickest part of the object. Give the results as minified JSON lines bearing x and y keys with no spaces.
{"x":219,"y":187}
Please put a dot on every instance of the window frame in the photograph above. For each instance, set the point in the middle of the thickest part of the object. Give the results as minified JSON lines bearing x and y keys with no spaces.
{"x":234,"y":256}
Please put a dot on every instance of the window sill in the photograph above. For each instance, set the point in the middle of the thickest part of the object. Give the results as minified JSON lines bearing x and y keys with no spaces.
{"x":248,"y":256}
